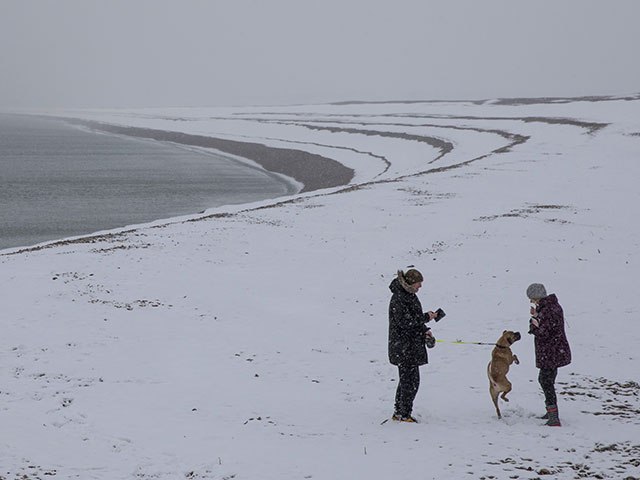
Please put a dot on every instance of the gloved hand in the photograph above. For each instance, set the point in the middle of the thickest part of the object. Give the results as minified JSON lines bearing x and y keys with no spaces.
{"x":431,"y":340}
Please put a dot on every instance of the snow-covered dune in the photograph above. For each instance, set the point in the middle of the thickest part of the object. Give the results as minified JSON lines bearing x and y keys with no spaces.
{"x":249,"y":341}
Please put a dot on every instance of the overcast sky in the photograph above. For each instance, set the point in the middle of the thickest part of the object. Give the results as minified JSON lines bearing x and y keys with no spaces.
{"x":133,"y":53}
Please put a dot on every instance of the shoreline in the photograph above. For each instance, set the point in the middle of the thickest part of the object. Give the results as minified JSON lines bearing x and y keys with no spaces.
{"x":307,"y":170}
{"x":313,"y":171}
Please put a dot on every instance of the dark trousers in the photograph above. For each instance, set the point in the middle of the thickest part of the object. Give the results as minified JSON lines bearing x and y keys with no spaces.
{"x":407,"y":389}
{"x":547,"y":379}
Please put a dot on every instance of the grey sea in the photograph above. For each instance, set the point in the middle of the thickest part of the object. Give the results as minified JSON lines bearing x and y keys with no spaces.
{"x":57,"y":181}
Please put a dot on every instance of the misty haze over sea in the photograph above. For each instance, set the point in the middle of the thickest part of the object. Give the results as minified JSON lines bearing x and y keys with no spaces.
{"x":58,"y":181}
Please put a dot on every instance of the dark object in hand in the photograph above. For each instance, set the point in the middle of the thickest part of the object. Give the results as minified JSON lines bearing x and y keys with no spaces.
{"x":439,"y":315}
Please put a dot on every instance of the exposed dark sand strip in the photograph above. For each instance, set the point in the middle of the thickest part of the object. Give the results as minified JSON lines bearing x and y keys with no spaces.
{"x":499,"y":101}
{"x":442,"y":145}
{"x":436,"y":142}
{"x":313,"y":171}
{"x":324,"y":145}
{"x":591,"y":127}
{"x":401,"y":102}
{"x":547,"y":100}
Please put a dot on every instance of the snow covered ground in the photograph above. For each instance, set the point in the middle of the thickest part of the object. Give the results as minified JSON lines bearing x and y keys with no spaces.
{"x":249,"y":342}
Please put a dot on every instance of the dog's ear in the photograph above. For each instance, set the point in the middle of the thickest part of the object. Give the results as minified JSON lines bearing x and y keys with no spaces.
{"x":504,"y":331}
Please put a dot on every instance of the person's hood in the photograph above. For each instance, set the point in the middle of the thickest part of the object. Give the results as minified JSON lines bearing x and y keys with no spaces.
{"x":395,"y":286}
{"x":399,"y":285}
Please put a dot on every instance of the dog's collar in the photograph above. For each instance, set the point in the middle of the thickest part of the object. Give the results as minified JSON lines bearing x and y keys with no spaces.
{"x":501,"y":346}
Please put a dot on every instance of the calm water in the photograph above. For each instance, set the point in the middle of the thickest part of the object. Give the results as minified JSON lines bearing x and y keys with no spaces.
{"x":58,"y":181}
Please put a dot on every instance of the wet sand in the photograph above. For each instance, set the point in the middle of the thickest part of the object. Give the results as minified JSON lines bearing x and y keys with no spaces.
{"x":315,"y":172}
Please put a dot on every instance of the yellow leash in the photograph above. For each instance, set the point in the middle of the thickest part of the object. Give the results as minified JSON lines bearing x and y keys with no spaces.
{"x":465,"y":343}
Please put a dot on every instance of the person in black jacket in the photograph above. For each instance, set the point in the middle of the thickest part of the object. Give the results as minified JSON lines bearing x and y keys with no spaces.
{"x":408,"y":335}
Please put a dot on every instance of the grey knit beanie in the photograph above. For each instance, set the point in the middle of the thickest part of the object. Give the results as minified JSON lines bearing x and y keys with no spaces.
{"x":536,"y":291}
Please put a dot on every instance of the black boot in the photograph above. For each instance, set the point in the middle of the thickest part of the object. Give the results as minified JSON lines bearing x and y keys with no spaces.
{"x":554,"y":419}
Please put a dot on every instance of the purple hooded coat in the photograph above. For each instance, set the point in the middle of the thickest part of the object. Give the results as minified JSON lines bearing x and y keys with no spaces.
{"x":552,"y":346}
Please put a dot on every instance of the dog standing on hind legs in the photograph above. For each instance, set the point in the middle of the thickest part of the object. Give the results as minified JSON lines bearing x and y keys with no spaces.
{"x":501,"y":359}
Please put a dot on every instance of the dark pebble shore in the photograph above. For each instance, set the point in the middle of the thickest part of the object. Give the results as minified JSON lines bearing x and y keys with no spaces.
{"x":315,"y":172}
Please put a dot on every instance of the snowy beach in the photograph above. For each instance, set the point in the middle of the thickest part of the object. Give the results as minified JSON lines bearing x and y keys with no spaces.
{"x":250,"y":341}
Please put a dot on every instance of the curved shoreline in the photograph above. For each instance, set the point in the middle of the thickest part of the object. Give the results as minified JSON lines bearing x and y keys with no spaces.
{"x":313,"y":171}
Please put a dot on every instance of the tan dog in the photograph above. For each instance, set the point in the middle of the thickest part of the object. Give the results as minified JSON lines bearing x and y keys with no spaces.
{"x":501,"y":359}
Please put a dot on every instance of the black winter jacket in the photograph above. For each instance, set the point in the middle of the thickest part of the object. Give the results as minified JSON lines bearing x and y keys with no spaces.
{"x":407,"y":328}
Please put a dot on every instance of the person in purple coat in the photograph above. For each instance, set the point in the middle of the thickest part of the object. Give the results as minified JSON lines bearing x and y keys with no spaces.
{"x":551,"y":345}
